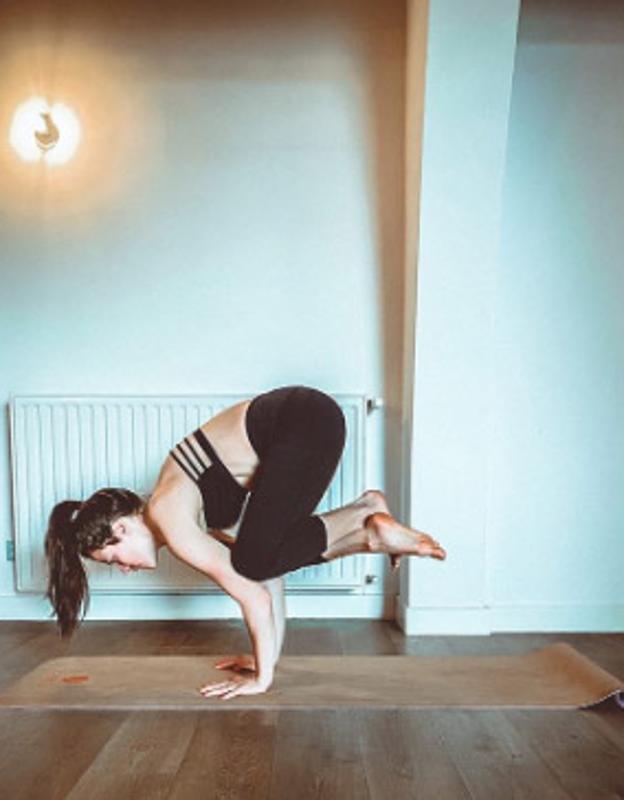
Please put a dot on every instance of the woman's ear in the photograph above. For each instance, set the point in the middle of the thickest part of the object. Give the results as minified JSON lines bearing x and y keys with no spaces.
{"x":119,"y":527}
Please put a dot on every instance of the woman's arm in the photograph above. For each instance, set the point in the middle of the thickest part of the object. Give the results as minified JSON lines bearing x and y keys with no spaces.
{"x":261,"y":627}
{"x":190,"y":544}
{"x":276,"y":589}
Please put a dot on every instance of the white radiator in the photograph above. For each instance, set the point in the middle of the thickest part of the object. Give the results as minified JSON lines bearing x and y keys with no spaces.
{"x":67,"y":447}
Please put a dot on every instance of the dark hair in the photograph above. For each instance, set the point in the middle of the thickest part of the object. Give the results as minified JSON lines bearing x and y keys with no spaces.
{"x":68,"y":537}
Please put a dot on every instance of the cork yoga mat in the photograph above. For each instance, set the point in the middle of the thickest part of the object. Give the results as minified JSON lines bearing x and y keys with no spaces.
{"x":556,"y":676}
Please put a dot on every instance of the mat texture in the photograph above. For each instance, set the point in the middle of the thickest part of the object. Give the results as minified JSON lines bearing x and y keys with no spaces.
{"x":556,"y":676}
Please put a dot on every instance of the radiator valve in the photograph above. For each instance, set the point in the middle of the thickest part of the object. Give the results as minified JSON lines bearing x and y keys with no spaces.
{"x":373,"y":404}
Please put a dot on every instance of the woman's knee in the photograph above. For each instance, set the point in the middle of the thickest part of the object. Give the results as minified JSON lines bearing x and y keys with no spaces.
{"x":250,"y":565}
{"x":321,"y":415}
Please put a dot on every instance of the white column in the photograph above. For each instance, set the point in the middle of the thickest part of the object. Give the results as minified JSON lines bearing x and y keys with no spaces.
{"x":458,"y":101}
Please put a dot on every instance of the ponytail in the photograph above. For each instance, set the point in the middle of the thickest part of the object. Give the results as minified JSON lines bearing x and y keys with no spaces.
{"x":68,"y":588}
{"x":77,"y":529}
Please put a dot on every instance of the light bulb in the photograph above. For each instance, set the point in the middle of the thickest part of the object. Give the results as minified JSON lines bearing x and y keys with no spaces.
{"x":40,"y":131}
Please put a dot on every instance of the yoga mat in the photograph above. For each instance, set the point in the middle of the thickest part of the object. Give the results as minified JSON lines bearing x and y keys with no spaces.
{"x":556,"y":676}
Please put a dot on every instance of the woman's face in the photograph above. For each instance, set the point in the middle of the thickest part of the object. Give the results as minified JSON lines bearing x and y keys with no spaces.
{"x":136,"y":548}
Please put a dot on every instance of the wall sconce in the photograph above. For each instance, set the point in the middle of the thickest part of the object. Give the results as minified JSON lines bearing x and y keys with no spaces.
{"x":44,"y":132}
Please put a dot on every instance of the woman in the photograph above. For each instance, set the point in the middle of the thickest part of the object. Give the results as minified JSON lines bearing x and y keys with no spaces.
{"x":278,"y":453}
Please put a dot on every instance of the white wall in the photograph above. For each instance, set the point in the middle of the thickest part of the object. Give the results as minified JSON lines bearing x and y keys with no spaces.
{"x":557,"y":511}
{"x":235,"y":222}
{"x":517,"y":413}
{"x":466,"y":87}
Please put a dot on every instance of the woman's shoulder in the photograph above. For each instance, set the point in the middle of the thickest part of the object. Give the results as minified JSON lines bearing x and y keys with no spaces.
{"x":173,"y":496}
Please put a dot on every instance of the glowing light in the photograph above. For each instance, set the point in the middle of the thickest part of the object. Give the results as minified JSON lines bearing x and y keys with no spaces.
{"x":40,"y":131}
{"x":97,"y":102}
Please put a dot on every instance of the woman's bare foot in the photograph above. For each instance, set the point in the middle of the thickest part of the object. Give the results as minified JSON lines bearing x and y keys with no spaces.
{"x":375,"y":500}
{"x":387,"y":535}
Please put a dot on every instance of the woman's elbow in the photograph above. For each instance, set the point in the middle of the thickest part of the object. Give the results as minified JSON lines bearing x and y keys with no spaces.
{"x":248,"y":592}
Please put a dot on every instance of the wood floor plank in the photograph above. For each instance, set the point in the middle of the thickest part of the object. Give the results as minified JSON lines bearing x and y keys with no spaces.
{"x":318,"y":755}
{"x":527,"y":774}
{"x":608,"y":719}
{"x":495,"y":644}
{"x":103,"y":637}
{"x":18,"y":634}
{"x":207,"y":637}
{"x":230,"y":756}
{"x":26,"y":656}
{"x":43,"y":754}
{"x":140,"y":760}
{"x":417,"y":645}
{"x":485,"y":768}
{"x":345,"y":776}
{"x":586,"y":763}
{"x":303,"y":755}
{"x":312,"y":637}
{"x":404,"y":757}
{"x":362,"y":636}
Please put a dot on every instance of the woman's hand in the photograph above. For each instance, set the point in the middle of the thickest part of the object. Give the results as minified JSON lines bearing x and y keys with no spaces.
{"x":234,"y":687}
{"x":240,"y":663}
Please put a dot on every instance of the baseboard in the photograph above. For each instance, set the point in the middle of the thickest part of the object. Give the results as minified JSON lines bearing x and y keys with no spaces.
{"x":415,"y":620}
{"x":202,"y":606}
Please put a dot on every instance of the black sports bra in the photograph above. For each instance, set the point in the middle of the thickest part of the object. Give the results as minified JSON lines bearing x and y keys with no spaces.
{"x":222,"y":494}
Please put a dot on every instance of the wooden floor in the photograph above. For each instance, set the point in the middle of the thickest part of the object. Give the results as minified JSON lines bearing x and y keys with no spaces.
{"x":495,"y":755}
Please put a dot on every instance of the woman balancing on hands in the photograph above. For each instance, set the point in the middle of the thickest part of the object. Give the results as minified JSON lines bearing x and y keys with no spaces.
{"x":281,"y":448}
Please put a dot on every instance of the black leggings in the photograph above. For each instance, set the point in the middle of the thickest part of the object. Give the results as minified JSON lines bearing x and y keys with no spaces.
{"x":278,"y":532}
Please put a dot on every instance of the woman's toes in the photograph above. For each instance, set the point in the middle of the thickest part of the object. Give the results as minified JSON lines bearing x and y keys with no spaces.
{"x":386,"y":535}
{"x":439,"y":553}
{"x":430,"y":547}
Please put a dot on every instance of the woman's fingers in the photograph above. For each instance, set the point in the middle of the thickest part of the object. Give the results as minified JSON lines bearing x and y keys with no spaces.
{"x":237,"y":663}
{"x":226,"y":689}
{"x":212,"y":689}
{"x":235,"y":688}
{"x":232,"y":693}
